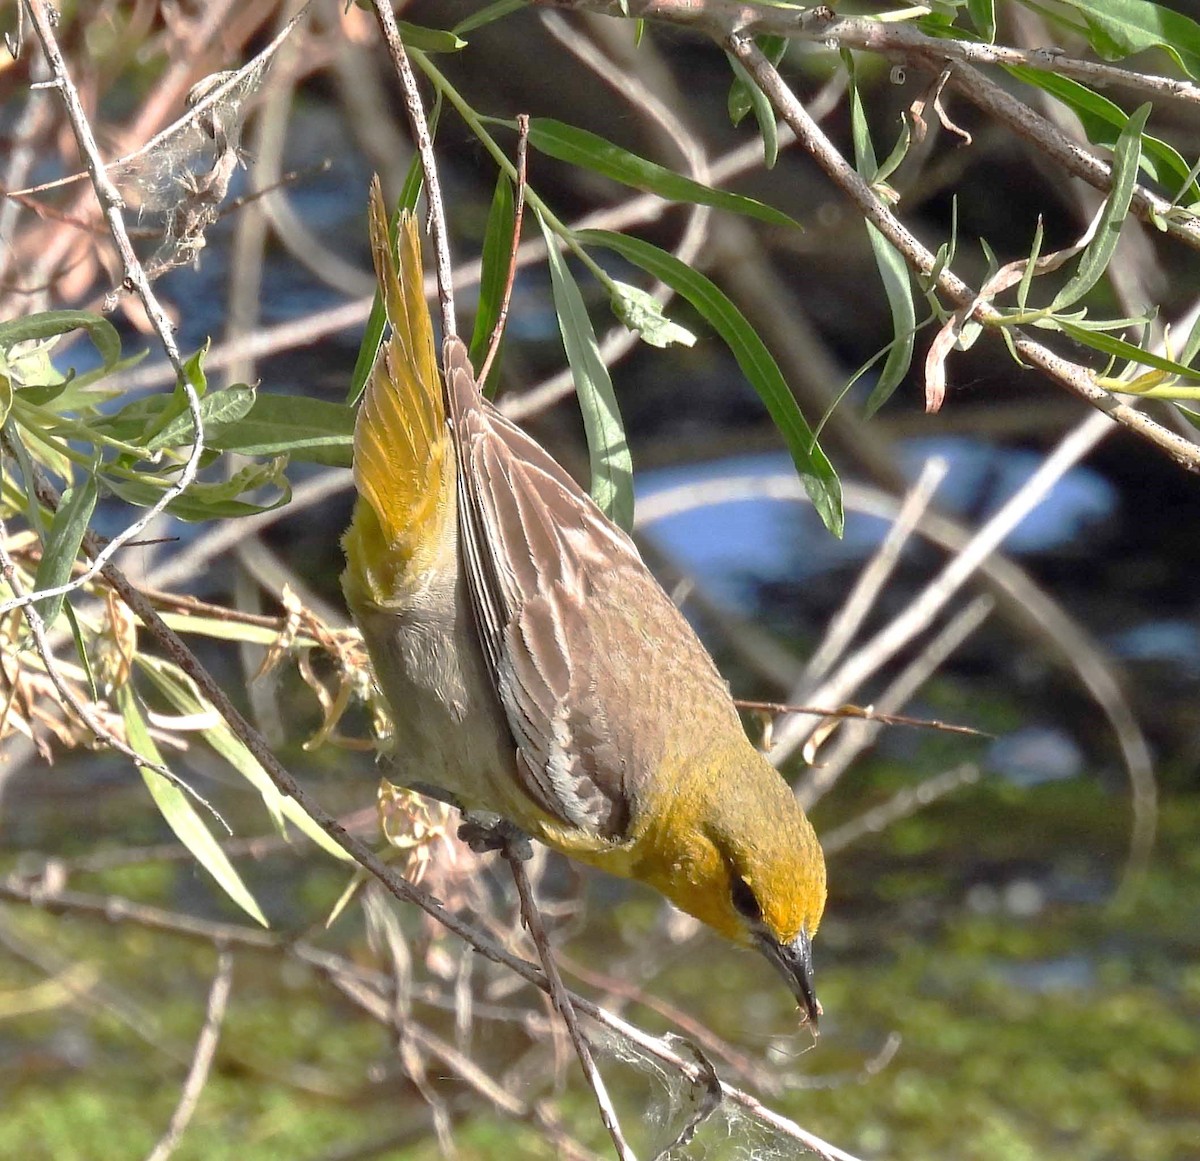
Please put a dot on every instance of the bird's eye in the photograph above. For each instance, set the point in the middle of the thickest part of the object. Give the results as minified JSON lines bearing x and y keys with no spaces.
{"x":744,"y":902}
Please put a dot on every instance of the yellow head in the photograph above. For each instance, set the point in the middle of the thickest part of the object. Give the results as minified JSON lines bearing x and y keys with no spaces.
{"x":735,"y":850}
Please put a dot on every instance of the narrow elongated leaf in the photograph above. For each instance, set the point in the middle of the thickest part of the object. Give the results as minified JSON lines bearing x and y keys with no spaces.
{"x":1120,"y":28}
{"x":83,"y":392}
{"x":230,"y":630}
{"x":81,"y":653}
{"x":1103,"y":120}
{"x":1111,"y":345}
{"x":217,"y":410}
{"x":741,"y":93}
{"x":176,"y":404}
{"x":1191,"y":345}
{"x":820,"y":480}
{"x":893,"y":271}
{"x":61,"y":549}
{"x":488,"y":13}
{"x":745,"y":95}
{"x":49,"y":323}
{"x":181,"y":691}
{"x":180,"y":815}
{"x":497,"y":251}
{"x":608,"y":449}
{"x":983,"y":16}
{"x":1094,"y":260}
{"x":208,"y":501}
{"x":579,"y":147}
{"x":429,"y":39}
{"x":312,"y":430}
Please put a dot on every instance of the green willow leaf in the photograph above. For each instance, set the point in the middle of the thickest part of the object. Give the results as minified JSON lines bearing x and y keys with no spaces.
{"x":179,"y":813}
{"x":487,"y":14}
{"x":640,"y":311}
{"x":1094,"y":260}
{"x":312,"y":430}
{"x":217,"y":410}
{"x":62,"y":545}
{"x":1120,"y":349}
{"x":820,"y":480}
{"x":429,"y":39}
{"x":579,"y":147}
{"x":611,"y":463}
{"x":1103,"y":120}
{"x":1120,"y":28}
{"x":745,"y":95}
{"x":208,"y":501}
{"x":983,"y":16}
{"x":180,"y":690}
{"x":493,"y":278}
{"x":893,"y":271}
{"x":50,"y":323}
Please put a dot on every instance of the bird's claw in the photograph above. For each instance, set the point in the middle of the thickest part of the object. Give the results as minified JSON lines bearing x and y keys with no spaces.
{"x":483,"y":831}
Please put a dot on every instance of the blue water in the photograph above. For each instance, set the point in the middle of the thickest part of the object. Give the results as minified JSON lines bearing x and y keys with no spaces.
{"x":737,"y":545}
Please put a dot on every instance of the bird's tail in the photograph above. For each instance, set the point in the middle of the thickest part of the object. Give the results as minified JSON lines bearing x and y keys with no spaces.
{"x":403,"y":458}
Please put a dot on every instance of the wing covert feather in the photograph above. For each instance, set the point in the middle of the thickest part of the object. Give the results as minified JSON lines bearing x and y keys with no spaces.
{"x":540,"y":559}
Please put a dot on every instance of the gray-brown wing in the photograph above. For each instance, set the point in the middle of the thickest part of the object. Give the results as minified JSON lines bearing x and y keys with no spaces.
{"x":534,"y":548}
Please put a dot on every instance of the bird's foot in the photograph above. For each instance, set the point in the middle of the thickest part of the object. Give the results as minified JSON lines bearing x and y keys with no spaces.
{"x":484,"y":831}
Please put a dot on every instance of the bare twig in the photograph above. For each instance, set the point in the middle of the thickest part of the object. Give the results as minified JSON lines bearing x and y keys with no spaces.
{"x":433,"y":188}
{"x":518,"y":218}
{"x":206,"y":1048}
{"x":888,"y":38}
{"x":859,"y":713}
{"x":900,"y":805}
{"x":874,"y":576}
{"x":856,"y":736}
{"x":563,"y":1002}
{"x":920,"y":611}
{"x":113,"y":909}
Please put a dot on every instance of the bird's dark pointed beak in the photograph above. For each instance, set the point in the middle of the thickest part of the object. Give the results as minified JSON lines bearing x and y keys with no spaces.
{"x":793,"y":961}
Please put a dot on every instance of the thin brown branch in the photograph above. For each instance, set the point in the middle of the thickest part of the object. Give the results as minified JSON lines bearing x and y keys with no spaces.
{"x":855,"y":738}
{"x":113,"y":909}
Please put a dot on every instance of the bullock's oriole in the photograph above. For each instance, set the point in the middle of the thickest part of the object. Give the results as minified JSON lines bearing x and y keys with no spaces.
{"x":534,"y":668}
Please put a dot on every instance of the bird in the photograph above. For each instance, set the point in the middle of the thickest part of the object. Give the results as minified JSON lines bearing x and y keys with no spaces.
{"x":538,"y":676}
